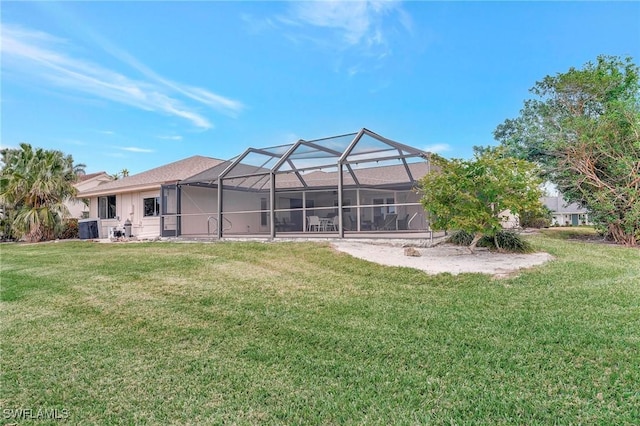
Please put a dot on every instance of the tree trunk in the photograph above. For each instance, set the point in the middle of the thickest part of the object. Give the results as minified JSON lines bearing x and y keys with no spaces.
{"x":476,"y":238}
{"x":621,"y":237}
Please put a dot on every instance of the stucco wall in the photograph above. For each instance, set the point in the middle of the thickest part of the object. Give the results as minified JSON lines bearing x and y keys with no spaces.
{"x":129,"y":206}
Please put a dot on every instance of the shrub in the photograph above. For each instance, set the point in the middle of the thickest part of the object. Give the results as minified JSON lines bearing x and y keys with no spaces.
{"x":539,"y":222}
{"x":461,"y":238}
{"x":537,"y":219}
{"x":68,"y":230}
{"x":508,"y":241}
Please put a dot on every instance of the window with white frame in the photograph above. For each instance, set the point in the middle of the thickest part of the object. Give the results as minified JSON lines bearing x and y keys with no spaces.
{"x":107,"y":207}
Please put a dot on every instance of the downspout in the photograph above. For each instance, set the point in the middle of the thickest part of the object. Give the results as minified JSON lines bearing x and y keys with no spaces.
{"x":219,"y":208}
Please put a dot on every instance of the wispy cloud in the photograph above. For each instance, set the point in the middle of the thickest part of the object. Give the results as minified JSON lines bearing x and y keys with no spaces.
{"x":44,"y":57}
{"x":438,"y":148}
{"x":135,"y":149}
{"x":171,"y":137}
{"x":362,"y":25}
{"x":220,"y":103}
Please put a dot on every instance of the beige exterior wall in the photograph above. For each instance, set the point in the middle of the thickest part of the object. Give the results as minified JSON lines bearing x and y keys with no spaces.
{"x":129,"y":206}
{"x":197,"y":205}
{"x":76,"y":207}
{"x":242,"y":223}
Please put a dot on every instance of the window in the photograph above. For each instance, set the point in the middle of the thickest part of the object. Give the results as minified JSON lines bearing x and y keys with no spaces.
{"x":345,"y":206}
{"x":386,"y":207}
{"x":391,"y":209}
{"x":107,"y":207}
{"x":151,"y":206}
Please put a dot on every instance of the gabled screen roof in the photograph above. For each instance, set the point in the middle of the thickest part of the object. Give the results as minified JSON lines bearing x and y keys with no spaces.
{"x":297,"y":165}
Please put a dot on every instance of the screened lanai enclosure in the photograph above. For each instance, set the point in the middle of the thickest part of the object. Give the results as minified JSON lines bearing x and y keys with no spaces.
{"x":348,"y":184}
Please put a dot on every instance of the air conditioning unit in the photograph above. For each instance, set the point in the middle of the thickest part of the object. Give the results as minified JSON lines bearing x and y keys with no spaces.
{"x":89,"y":229}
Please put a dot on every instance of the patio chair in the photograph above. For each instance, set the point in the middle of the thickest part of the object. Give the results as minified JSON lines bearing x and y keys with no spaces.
{"x":403,"y":223}
{"x":378,"y":222}
{"x":313,"y":223}
{"x":390,"y":222}
{"x":334,"y":224}
{"x":347,"y":222}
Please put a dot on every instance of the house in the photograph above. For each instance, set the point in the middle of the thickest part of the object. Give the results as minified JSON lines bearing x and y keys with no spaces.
{"x":76,"y":206}
{"x":564,"y":214}
{"x":356,"y":182}
{"x":136,"y":198}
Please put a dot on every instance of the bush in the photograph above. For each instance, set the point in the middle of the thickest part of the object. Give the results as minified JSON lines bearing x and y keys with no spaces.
{"x":539,"y":222}
{"x":68,"y":230}
{"x":538,"y":219}
{"x":460,"y":238}
{"x":508,"y":241}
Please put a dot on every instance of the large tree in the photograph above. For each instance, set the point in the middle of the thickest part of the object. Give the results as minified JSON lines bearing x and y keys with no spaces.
{"x":476,"y":195}
{"x":34,"y":184}
{"x":583,"y":128}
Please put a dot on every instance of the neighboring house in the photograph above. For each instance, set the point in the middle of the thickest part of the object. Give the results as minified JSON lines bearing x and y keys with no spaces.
{"x":564,"y":213}
{"x":136,"y":198}
{"x":77,"y":207}
{"x":273,"y":189}
{"x":509,"y":220}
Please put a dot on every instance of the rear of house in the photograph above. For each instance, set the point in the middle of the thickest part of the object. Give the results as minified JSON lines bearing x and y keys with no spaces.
{"x":136,"y":198}
{"x":354,"y":182}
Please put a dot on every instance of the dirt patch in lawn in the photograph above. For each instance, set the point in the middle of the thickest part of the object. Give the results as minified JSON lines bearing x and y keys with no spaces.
{"x":444,"y":258}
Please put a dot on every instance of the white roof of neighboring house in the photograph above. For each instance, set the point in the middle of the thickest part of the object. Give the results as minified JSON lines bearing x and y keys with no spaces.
{"x":559,"y":205}
{"x":152,"y":179}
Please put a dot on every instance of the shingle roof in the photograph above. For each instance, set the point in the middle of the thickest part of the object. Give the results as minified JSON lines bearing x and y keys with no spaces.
{"x":82,"y":178}
{"x":169,"y":173}
{"x":372,"y":176}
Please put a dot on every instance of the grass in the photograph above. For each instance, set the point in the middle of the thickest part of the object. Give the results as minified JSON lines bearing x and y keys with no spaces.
{"x":295,"y":333}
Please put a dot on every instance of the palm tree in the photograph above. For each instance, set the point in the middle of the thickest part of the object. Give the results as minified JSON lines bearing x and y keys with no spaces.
{"x":34,"y":184}
{"x":121,"y":174}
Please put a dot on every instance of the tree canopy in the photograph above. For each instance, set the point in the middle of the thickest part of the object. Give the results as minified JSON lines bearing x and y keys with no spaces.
{"x":34,"y":184}
{"x":583,"y":129}
{"x":476,"y":195}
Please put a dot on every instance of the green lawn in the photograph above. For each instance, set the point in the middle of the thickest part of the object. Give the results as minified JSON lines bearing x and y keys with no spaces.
{"x":295,"y":333}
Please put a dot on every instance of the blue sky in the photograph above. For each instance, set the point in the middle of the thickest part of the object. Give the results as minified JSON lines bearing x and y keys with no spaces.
{"x":139,"y":84}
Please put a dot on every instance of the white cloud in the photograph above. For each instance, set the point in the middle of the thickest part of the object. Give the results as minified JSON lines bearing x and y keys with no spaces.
{"x":43,"y":57}
{"x":349,"y":24}
{"x":171,"y":137}
{"x":135,"y":149}
{"x":217,"y":102}
{"x":2,"y":146}
{"x":438,"y":148}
